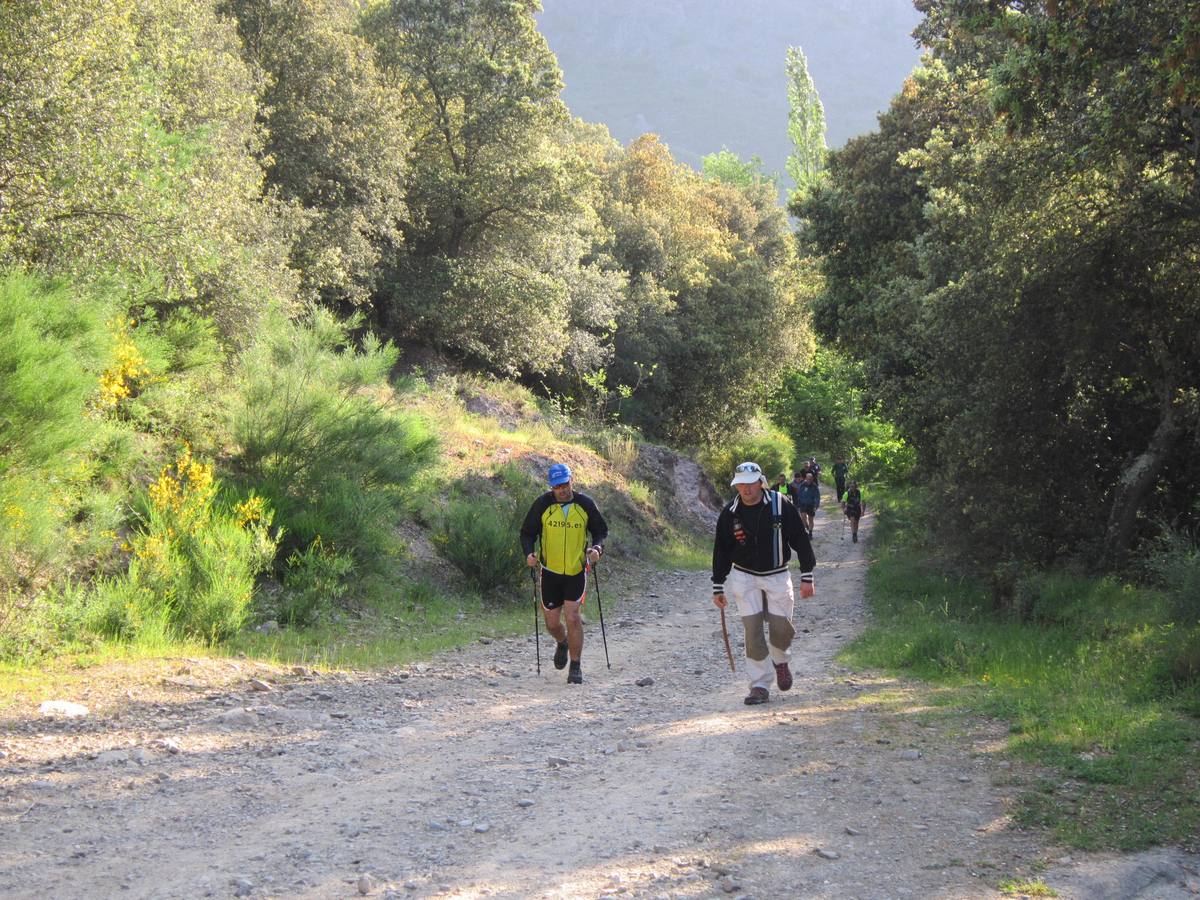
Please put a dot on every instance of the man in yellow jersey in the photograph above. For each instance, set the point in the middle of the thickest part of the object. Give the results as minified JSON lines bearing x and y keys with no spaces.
{"x":561,"y":520}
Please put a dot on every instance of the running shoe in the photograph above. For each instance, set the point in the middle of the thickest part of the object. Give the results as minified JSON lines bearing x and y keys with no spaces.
{"x":575,"y":676}
{"x":560,"y":656}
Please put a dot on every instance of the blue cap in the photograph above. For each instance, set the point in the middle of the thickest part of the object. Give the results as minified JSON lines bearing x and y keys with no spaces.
{"x":559,"y":474}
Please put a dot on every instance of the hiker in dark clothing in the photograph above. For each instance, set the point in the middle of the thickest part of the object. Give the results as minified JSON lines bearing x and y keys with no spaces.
{"x":755,"y":535}
{"x":793,"y":487}
{"x":807,"y":500}
{"x":839,"y":476}
{"x":812,"y":466}
{"x":854,"y":507}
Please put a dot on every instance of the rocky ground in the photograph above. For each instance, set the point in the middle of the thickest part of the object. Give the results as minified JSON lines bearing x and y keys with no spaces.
{"x":472,"y":776}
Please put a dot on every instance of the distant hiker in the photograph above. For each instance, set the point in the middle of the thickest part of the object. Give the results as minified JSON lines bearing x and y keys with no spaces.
{"x":560,"y":521}
{"x":793,"y":487}
{"x":808,"y":498}
{"x":839,"y":476}
{"x":780,"y":484}
{"x":814,"y":467}
{"x":755,"y":535}
{"x":854,"y":509}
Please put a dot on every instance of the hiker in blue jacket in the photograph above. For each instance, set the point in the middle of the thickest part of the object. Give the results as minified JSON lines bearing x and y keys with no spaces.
{"x":808,"y":498}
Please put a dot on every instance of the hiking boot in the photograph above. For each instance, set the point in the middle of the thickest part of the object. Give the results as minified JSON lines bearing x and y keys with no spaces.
{"x":756,"y":696}
{"x":783,"y":676}
{"x":560,"y":656}
{"x":575,"y":676}
{"x":854,"y":538}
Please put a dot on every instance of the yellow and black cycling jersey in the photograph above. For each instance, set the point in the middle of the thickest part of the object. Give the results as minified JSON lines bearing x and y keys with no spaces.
{"x":562,"y":530}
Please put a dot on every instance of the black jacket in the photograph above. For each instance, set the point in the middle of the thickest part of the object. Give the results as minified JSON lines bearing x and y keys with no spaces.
{"x":759,"y":540}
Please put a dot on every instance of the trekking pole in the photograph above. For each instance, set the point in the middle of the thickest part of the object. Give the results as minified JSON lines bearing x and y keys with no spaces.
{"x":843,"y":523}
{"x":725,"y":634}
{"x":537,"y":638}
{"x":600,"y":609}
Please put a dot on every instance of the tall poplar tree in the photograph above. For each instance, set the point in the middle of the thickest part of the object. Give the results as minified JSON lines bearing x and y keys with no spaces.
{"x":806,"y":124}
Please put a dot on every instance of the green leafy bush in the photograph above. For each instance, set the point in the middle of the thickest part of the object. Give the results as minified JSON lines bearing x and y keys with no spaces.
{"x":314,"y":579}
{"x":817,"y":406}
{"x":766,"y":445}
{"x":1174,"y":563}
{"x":318,"y":438}
{"x":193,"y":564}
{"x":478,"y":530}
{"x":878,"y":452}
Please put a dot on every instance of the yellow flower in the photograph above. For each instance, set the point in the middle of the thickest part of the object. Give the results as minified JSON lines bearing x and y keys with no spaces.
{"x":250,"y":511}
{"x":126,"y":373}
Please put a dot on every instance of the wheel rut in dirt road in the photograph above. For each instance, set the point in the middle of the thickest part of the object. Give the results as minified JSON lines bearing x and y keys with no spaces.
{"x":470,"y":776}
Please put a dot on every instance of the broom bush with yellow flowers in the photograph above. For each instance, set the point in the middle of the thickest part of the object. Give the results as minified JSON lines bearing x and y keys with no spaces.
{"x":193,"y":560}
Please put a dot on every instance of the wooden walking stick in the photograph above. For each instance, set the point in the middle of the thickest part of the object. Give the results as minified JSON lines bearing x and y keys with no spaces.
{"x":725,"y":634}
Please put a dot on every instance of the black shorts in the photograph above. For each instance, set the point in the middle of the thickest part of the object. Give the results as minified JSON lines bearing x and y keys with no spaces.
{"x":805,"y":508}
{"x":558,"y":589}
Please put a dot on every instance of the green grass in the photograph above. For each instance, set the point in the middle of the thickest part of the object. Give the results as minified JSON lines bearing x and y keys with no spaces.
{"x":682,"y":551}
{"x":1082,"y":679}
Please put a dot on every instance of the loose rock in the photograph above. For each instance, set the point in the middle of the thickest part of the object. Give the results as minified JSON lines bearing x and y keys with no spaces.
{"x":63,"y":708}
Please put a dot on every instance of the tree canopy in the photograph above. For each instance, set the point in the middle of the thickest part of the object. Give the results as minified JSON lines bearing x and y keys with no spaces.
{"x":1010,"y":255}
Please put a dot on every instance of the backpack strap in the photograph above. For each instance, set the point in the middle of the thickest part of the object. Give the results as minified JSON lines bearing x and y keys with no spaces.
{"x":776,"y":500}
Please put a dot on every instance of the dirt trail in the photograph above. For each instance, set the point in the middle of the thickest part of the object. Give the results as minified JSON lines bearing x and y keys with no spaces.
{"x":471,"y":776}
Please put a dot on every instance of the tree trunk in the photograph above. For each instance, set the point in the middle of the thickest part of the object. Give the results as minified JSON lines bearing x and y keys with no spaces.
{"x":1137,"y":480}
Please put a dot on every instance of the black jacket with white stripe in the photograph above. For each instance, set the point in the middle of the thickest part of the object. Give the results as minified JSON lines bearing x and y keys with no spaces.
{"x":759,"y":540}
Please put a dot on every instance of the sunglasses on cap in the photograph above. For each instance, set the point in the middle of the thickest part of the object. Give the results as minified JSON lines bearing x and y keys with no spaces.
{"x":748,"y":467}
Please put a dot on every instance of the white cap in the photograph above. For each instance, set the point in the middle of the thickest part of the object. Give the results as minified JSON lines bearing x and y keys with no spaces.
{"x":748,"y":473}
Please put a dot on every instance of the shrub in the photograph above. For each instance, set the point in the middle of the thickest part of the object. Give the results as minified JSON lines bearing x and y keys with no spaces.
{"x":766,"y":445}
{"x":55,"y":444}
{"x":878,"y":451}
{"x":194,"y":561}
{"x":639,"y":492}
{"x":620,"y":450}
{"x":1174,"y":563}
{"x":318,"y":439}
{"x":481,"y":538}
{"x":314,"y":578}
{"x":48,"y":334}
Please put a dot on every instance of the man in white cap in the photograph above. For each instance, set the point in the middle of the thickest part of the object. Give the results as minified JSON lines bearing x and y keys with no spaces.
{"x":756,"y":533}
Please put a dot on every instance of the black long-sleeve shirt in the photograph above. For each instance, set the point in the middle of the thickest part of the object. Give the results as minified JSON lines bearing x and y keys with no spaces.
{"x":747,"y":537}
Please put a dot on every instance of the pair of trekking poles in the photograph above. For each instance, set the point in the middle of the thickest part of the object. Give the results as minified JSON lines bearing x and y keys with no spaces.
{"x":537,"y":637}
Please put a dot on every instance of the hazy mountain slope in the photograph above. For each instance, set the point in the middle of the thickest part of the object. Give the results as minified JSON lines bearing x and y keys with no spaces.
{"x":705,"y":74}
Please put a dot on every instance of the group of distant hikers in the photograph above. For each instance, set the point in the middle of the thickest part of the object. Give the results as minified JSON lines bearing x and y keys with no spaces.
{"x":563,"y":537}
